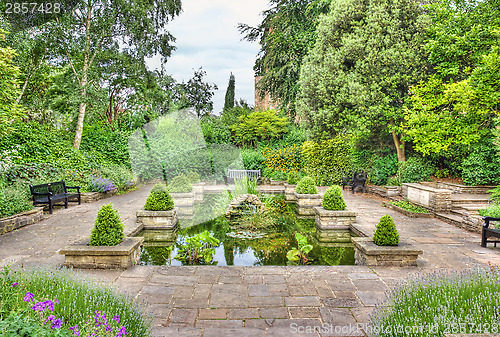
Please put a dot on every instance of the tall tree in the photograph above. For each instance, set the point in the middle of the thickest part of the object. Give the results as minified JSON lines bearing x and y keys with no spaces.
{"x":286,"y":34}
{"x":357,"y":77}
{"x":229,"y":100}
{"x":196,"y":94}
{"x":94,"y":27}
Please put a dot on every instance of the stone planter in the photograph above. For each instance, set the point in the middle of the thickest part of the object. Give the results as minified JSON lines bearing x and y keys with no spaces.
{"x":307,"y":202}
{"x":406,"y":212}
{"x":435,"y":199}
{"x":199,"y":190}
{"x":157,"y":219}
{"x":94,"y":196}
{"x":289,"y":192}
{"x":367,"y":253}
{"x":333,"y":226}
{"x":184,"y":203}
{"x":278,"y":182}
{"x":121,"y":256}
{"x":393,"y":191}
{"x":13,"y":222}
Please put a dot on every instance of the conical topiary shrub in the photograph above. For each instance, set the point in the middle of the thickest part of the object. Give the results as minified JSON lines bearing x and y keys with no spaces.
{"x":333,"y":199}
{"x":108,"y":228}
{"x":159,"y":199}
{"x":386,"y":233}
{"x":193,"y":177}
{"x":306,"y":185}
{"x":180,"y":184}
{"x":293,"y":177}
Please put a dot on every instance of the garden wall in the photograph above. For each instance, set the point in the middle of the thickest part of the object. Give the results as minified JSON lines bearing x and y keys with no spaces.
{"x":435,"y":199}
{"x":16,"y":221}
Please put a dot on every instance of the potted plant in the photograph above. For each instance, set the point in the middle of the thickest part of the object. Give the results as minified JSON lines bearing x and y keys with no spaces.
{"x":159,"y":211}
{"x":182,"y":192}
{"x":385,"y":248}
{"x":107,"y":247}
{"x":306,"y":196}
{"x":332,"y":219}
{"x":198,"y":186}
{"x":290,"y":185}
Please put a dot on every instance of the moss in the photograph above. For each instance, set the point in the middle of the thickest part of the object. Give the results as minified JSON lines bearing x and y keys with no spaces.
{"x":386,"y":233}
{"x":108,"y":228}
{"x":306,"y":185}
{"x":333,"y":200}
{"x":159,"y":199}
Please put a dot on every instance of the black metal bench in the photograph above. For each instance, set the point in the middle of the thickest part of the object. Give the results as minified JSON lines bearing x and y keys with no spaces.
{"x":489,"y":232}
{"x":357,"y":180}
{"x":52,"y":193}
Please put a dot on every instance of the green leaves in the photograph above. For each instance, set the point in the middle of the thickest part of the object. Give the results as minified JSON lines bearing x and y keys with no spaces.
{"x":260,"y":125}
{"x":386,"y":233}
{"x":300,"y":254}
{"x":108,"y":228}
{"x":333,"y":199}
{"x":198,"y":249}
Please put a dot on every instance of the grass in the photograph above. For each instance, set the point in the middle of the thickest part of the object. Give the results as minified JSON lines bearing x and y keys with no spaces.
{"x":406,"y":205}
{"x":79,"y":298}
{"x":441,"y":302}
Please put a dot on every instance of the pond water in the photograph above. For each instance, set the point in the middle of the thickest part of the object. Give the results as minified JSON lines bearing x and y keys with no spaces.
{"x":260,"y":241}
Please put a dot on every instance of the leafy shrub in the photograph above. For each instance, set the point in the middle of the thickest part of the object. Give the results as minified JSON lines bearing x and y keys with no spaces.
{"x":198,"y":249}
{"x":111,"y":145}
{"x":386,"y":233}
{"x":495,"y":194}
{"x":159,"y":199}
{"x":414,"y":170}
{"x":193,"y":177}
{"x":100,"y":184}
{"x":409,"y":206}
{"x":394,"y":181}
{"x":29,"y":172}
{"x":79,"y":300}
{"x":108,"y":228}
{"x":14,"y":199}
{"x":492,"y":210}
{"x":214,"y":131}
{"x":306,"y":185}
{"x":293,"y":177}
{"x":333,"y":199}
{"x":283,"y":159}
{"x":481,"y":167}
{"x":253,"y":159}
{"x":258,"y":126}
{"x":120,"y":175}
{"x":180,"y":184}
{"x":442,"y":173}
{"x":326,"y":161}
{"x":440,"y":300}
{"x":382,"y":169}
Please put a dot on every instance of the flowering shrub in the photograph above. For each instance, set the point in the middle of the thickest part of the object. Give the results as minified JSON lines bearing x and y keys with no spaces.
{"x":99,"y":184}
{"x":283,"y":160}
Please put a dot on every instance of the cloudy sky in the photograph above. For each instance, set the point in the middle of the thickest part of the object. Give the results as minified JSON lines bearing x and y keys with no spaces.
{"x":208,"y":37}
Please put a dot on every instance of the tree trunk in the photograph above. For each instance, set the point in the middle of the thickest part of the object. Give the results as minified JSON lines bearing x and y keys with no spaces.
{"x":23,"y":89}
{"x":400,"y":147}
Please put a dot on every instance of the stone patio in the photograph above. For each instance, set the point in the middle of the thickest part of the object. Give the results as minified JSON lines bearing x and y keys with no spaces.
{"x":254,"y":301}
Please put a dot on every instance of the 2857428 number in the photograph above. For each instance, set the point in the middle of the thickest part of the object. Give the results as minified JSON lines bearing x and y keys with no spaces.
{"x":32,"y":7}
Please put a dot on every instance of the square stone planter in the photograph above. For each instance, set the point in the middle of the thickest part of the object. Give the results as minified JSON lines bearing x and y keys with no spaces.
{"x":367,"y":253}
{"x":157,"y":219}
{"x":307,"y":202}
{"x":333,"y":225}
{"x":184,"y":203}
{"x":121,"y":256}
{"x":289,"y":192}
{"x":198,"y":189}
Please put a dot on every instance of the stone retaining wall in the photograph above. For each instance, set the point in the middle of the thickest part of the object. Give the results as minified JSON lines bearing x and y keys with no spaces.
{"x":94,"y":196}
{"x":406,"y":212}
{"x":16,"y":221}
{"x":435,"y":199}
{"x":458,"y":188}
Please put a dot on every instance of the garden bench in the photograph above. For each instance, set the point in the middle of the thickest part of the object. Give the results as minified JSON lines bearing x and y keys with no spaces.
{"x":489,"y":232}
{"x":52,"y":193}
{"x":357,"y":180}
{"x":241,"y":174}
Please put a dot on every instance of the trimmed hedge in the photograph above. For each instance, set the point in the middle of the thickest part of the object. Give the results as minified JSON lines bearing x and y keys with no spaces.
{"x":108,"y":228}
{"x":386,"y":233}
{"x":159,"y":199}
{"x":333,"y":199}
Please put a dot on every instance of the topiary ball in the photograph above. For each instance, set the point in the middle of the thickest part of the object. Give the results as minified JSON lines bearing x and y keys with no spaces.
{"x":159,"y":199}
{"x":108,"y":228}
{"x":193,"y":177}
{"x":386,"y":233}
{"x":180,"y":184}
{"x":306,"y":185}
{"x":333,"y":199}
{"x":293,"y":177}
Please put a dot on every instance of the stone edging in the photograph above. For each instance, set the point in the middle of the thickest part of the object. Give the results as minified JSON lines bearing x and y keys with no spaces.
{"x":19,"y":220}
{"x":406,"y":212}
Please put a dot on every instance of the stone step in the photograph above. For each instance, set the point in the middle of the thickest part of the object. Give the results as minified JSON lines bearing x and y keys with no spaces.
{"x":470,"y":207}
{"x":478,"y":200}
{"x":452,"y":219}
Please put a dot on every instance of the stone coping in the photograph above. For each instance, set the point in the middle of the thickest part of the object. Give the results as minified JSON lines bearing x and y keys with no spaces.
{"x":367,"y":246}
{"x":31,"y":211}
{"x":357,"y":230}
{"x":321,"y":211}
{"x":427,"y":188}
{"x":307,"y":196}
{"x":13,"y":222}
{"x":182,"y":195}
{"x":143,"y":212}
{"x":82,"y":248}
{"x":407,"y":212}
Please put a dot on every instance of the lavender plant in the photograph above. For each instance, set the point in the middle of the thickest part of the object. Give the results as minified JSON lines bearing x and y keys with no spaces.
{"x":441,"y":303}
{"x":99,"y":184}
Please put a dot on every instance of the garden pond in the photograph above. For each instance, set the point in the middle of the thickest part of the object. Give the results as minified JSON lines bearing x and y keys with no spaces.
{"x":249,"y":240}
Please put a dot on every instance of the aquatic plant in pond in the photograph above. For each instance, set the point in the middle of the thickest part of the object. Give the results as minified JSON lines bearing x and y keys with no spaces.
{"x":439,"y":303}
{"x":299,"y":255}
{"x":198,"y":249}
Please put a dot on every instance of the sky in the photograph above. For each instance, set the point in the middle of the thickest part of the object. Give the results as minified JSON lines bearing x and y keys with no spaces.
{"x":207,"y":36}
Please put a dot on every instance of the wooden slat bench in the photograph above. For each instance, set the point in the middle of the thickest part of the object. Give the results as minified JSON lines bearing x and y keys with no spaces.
{"x":357,"y":180}
{"x":52,"y":193}
{"x":241,"y":174}
{"x":489,"y":232}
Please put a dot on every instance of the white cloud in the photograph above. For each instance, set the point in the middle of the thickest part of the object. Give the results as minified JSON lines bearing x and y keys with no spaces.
{"x":208,"y":37}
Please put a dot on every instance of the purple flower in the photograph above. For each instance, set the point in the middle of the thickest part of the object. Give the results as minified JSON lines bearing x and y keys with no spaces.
{"x":56,"y":301}
{"x":49,"y":305}
{"x":15,"y":284}
{"x":121,"y":332}
{"x":56,"y":324}
{"x":108,"y":328}
{"x":28,"y":297}
{"x":116,"y":319}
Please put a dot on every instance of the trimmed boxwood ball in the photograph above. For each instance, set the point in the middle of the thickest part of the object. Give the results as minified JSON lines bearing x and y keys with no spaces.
{"x":306,"y":185}
{"x":293,"y":177}
{"x":193,"y":177}
{"x":180,"y":184}
{"x":386,"y":233}
{"x":333,"y":199}
{"x":159,"y":199}
{"x":108,"y":228}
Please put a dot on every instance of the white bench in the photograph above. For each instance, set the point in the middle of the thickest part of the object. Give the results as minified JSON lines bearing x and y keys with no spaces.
{"x":241,"y":174}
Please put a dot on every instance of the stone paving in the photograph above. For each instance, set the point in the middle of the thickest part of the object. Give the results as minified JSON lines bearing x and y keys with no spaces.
{"x":254,"y":301}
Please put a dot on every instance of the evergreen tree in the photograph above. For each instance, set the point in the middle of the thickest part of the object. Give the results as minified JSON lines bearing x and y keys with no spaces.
{"x":229,"y":102}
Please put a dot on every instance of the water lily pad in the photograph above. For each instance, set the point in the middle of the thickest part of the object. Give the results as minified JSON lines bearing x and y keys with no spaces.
{"x":247,"y":235}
